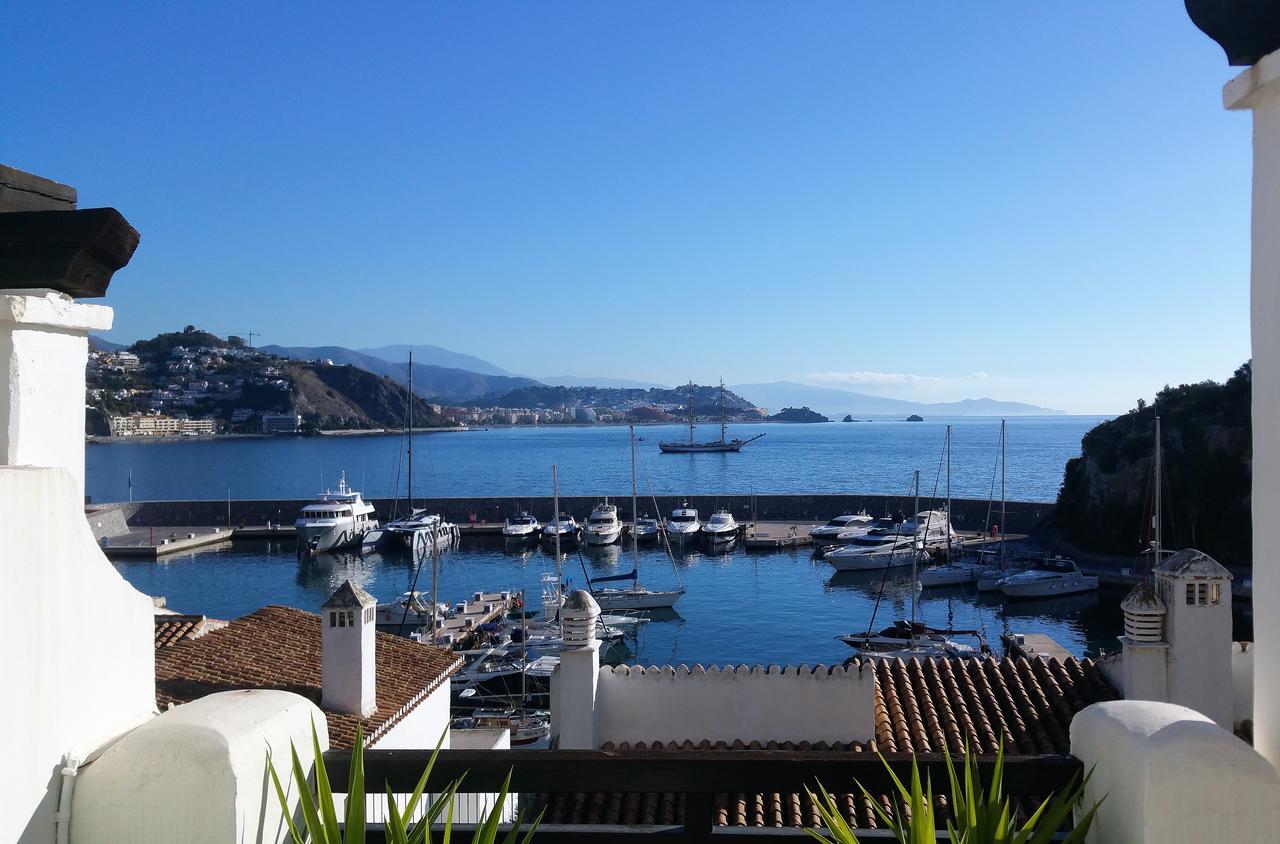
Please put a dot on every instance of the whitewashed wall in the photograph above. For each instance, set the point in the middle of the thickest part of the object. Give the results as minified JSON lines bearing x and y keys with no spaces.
{"x":79,"y":659}
{"x":1242,"y":680}
{"x":725,"y":704}
{"x":421,"y":728}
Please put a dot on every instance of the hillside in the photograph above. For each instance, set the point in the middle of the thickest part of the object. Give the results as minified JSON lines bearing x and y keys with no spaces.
{"x":349,"y":397}
{"x":449,"y":385}
{"x":1105,"y":498}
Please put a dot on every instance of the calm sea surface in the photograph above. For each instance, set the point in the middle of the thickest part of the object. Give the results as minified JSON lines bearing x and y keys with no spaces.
{"x":780,"y":607}
{"x":864,"y":457}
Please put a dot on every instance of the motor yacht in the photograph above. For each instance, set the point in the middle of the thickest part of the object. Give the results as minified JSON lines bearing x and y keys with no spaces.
{"x":904,"y":639}
{"x":683,"y":525}
{"x":603,"y":527}
{"x":721,"y":528}
{"x":521,"y":526}
{"x":879,"y":548}
{"x":1049,"y":578}
{"x":828,"y":533}
{"x":646,"y":528}
{"x":336,"y":520}
{"x":419,"y":532}
{"x":564,"y":526}
{"x":859,"y":528}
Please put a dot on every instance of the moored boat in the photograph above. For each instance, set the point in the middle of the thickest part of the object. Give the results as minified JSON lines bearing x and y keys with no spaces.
{"x":603,"y":526}
{"x":721,"y":528}
{"x":336,"y":520}
{"x":683,"y":525}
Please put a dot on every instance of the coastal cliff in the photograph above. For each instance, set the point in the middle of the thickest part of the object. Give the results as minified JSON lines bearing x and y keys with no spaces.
{"x":1104,"y":504}
{"x":330,"y":397}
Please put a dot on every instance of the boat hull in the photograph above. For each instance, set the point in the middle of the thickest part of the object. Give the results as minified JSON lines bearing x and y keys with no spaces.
{"x":700,"y":448}
{"x":329,"y":537}
{"x":868,"y":562}
{"x":629,"y":599}
{"x":1050,"y":589}
{"x":604,"y":537}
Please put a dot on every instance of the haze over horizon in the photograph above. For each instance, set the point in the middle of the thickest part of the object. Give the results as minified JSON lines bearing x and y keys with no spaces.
{"x":1039,"y":205}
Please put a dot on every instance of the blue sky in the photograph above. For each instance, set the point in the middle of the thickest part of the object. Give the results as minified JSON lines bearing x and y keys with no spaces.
{"x":1033,"y":201}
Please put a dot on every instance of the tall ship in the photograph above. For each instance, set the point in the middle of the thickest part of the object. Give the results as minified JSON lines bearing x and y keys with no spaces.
{"x":715,"y":446}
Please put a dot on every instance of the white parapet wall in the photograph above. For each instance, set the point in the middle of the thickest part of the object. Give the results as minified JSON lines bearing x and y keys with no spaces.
{"x":198,"y":772}
{"x":735,"y":703}
{"x":1171,"y":775}
{"x":79,"y":658}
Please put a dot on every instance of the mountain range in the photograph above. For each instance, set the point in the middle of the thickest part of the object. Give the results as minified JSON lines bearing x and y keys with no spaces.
{"x":453,"y":377}
{"x":837,"y":403}
{"x":449,"y":384}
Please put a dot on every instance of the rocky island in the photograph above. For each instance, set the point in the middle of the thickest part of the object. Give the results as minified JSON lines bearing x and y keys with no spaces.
{"x":796,"y":414}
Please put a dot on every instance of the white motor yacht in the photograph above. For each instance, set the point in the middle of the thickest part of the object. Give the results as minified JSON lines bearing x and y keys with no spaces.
{"x":859,"y":528}
{"x":879,"y":548}
{"x":646,"y":528}
{"x":420,"y":531}
{"x":336,"y":520}
{"x":828,"y":533}
{"x":683,"y":525}
{"x":603,"y":527}
{"x":721,"y":528}
{"x":521,"y":526}
{"x":1049,"y":578}
{"x":563,"y":525}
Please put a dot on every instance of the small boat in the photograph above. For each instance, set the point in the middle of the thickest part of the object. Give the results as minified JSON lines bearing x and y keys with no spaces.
{"x":526,"y":726}
{"x":721,"y":528}
{"x":1051,"y":577}
{"x":636,"y":597}
{"x":828,"y":533}
{"x":335,"y":521}
{"x":645,"y":528}
{"x":683,"y":525}
{"x":563,"y":526}
{"x":522,"y":526}
{"x":603,"y":527}
{"x":905,"y":640}
{"x":720,"y":446}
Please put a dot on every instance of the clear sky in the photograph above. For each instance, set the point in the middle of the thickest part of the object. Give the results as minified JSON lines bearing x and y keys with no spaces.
{"x":1032,"y":201}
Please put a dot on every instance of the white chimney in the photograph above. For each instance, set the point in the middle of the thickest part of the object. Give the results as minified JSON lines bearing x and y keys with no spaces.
{"x":1196,"y":590}
{"x":573,"y":683}
{"x":348,"y":643}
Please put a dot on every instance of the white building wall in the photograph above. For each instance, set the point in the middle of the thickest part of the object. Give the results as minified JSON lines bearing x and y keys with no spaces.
{"x":73,"y":683}
{"x":44,"y":347}
{"x":1258,"y":89}
{"x":751,"y":704}
{"x":1242,"y":680}
{"x":1170,"y":775}
{"x":197,"y":773}
{"x":422,"y":727}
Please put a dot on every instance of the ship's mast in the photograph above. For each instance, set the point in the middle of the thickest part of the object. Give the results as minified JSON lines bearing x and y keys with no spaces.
{"x":947,"y":524}
{"x":1155,"y":519}
{"x":1004,"y":515}
{"x":555,"y":497}
{"x":409,"y":437}
{"x":722,"y":427}
{"x":915,"y":554}
{"x":634,"y":514}
{"x":690,"y":413}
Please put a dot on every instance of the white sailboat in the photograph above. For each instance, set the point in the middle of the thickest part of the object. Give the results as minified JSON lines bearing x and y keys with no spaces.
{"x":634,"y":597}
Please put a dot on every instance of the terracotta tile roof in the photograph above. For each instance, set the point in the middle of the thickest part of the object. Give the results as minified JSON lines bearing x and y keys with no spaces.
{"x":279,"y":648}
{"x":921,"y":706}
{"x":172,"y":628}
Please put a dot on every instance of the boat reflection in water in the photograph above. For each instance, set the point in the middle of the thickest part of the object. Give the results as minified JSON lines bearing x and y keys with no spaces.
{"x":329,"y":569}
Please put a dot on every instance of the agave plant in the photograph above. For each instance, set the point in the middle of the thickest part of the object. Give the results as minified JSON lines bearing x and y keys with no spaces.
{"x":320,"y":823}
{"x":978,"y":815}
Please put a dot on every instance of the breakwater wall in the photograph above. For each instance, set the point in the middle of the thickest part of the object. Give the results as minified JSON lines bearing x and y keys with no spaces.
{"x":967,"y":514}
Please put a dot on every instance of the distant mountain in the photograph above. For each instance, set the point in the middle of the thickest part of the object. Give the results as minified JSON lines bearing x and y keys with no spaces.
{"x":834,"y":402}
{"x":435,"y":356}
{"x":445,"y":383}
{"x":592,"y":381}
{"x":98,"y":344}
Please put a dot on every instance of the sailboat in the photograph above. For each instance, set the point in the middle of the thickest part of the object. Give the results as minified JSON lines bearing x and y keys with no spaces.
{"x":912,"y":639}
{"x":419,"y":530}
{"x":634,"y":597}
{"x":715,"y":446}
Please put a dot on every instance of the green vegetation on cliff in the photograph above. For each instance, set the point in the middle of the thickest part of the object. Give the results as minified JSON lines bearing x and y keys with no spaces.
{"x":797,"y":414}
{"x":1105,"y":501}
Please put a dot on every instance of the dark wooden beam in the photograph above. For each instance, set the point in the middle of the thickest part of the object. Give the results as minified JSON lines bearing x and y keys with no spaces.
{"x":686,"y":772}
{"x":75,"y":252}
{"x":22,"y":191}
